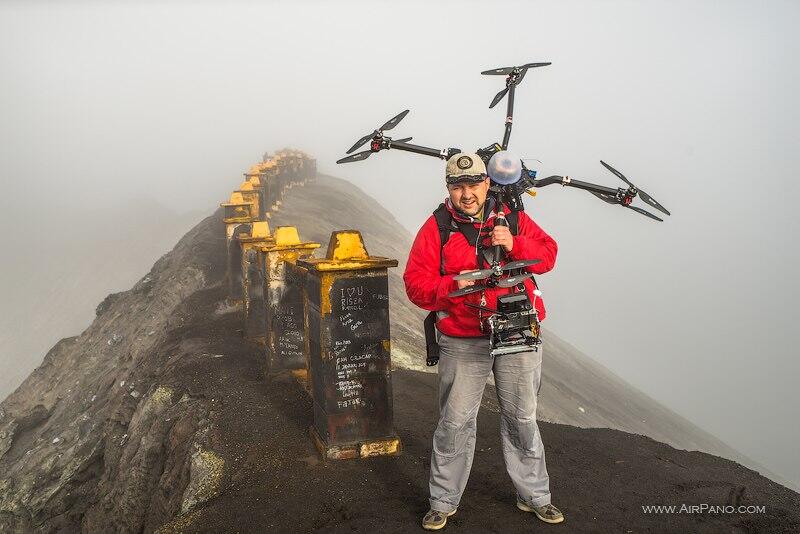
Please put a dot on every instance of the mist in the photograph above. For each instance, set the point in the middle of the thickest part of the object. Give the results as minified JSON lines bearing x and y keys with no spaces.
{"x":693,"y":101}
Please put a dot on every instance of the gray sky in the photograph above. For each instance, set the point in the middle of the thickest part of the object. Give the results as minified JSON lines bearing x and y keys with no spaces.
{"x":694,"y":101}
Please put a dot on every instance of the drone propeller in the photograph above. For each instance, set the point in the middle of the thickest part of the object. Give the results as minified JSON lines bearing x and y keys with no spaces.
{"x":511,"y":281}
{"x":521,"y":71}
{"x":612,"y":200}
{"x":486,"y":273}
{"x":358,"y":156}
{"x":388,"y":125}
{"x":645,"y":197}
{"x":509,"y":70}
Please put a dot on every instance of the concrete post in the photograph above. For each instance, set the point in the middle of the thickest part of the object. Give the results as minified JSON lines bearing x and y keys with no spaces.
{"x":285,"y":306}
{"x":255,"y":321}
{"x":238,"y":217}
{"x":347,"y":319}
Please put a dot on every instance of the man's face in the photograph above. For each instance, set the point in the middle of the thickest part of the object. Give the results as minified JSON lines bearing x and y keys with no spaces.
{"x":469,"y":198}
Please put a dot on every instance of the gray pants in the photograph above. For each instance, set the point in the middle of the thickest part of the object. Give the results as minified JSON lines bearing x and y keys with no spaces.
{"x":463,"y":370}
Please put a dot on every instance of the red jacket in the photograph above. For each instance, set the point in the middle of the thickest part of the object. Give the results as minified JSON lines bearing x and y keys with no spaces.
{"x":428,"y":289}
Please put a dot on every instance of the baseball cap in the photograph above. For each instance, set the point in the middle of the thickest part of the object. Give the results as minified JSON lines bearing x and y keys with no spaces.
{"x":465,"y":167}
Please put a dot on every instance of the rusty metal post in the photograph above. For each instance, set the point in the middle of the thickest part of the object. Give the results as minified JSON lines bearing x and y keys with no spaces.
{"x":238,"y":217}
{"x":283,"y":297}
{"x":255,"y":321}
{"x":347,"y":318}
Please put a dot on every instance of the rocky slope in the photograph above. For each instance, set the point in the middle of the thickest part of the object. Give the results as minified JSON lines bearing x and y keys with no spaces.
{"x":158,"y":418}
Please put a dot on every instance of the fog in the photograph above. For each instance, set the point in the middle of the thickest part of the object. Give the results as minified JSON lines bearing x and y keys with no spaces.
{"x":693,"y":101}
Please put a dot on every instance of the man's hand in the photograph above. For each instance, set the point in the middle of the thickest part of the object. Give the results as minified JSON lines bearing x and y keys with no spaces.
{"x":501,"y":235}
{"x":465,"y":283}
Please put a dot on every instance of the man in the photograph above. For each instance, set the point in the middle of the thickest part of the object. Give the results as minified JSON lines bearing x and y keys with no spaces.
{"x":465,"y":359}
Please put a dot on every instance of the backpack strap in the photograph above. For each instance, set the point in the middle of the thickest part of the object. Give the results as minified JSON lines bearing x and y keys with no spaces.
{"x":446,"y":225}
{"x":513,"y":222}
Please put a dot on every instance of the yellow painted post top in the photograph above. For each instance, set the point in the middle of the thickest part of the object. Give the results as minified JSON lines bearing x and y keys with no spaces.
{"x":245,"y":186}
{"x":287,"y":238}
{"x":254,"y":180}
{"x":260,"y":229}
{"x":286,"y":235}
{"x":346,"y":245}
{"x":259,"y":236}
{"x":236,"y":198}
{"x":238,"y":210}
{"x":346,"y":252}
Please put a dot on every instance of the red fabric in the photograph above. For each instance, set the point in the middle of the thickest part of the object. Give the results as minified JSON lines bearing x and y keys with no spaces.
{"x":428,"y":289}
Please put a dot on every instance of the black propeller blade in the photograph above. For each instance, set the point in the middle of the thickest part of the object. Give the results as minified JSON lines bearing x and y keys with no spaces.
{"x":511,"y":281}
{"x":519,"y":264}
{"x":466,"y":291}
{"x":509,"y":70}
{"x":394,"y":121}
{"x":358,"y":144}
{"x":616,"y":172}
{"x":388,"y":125}
{"x":650,"y":200}
{"x":498,"y":97}
{"x":474,"y":275}
{"x":358,"y":156}
{"x":645,"y":197}
{"x":645,"y":213}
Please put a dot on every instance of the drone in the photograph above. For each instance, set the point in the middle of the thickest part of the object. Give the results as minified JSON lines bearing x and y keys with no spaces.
{"x":509,"y":193}
{"x":514,"y":325}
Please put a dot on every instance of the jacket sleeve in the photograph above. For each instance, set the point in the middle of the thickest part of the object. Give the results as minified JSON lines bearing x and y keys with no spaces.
{"x":533,"y":243}
{"x":425,"y":286}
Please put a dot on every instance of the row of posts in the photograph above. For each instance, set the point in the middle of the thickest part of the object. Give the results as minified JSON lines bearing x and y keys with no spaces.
{"x":324,"y":320}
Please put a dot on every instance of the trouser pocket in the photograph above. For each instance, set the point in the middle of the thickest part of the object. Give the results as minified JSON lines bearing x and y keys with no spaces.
{"x":450,"y":438}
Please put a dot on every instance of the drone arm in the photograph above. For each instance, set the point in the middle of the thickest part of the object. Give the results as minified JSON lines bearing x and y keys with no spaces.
{"x":610,"y":195}
{"x":509,"y":115}
{"x":566,"y":181}
{"x":418,"y":149}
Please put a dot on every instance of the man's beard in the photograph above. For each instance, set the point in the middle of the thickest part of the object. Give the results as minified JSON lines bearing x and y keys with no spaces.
{"x":477,"y":209}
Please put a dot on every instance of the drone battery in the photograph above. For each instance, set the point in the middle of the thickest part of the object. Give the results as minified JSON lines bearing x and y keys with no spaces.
{"x":514,"y":302}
